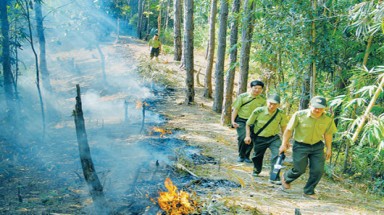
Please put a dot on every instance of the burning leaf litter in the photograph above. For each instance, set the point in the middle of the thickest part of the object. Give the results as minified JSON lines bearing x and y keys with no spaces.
{"x":176,"y":202}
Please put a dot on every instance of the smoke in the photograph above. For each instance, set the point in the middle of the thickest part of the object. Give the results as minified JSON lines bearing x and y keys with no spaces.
{"x":75,"y":32}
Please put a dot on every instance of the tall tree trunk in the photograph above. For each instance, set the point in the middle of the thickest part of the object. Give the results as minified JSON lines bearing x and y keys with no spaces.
{"x":140,"y":18}
{"x":313,"y":47}
{"x":211,"y":51}
{"x":27,"y":14}
{"x":148,"y":28}
{"x":219,"y":70}
{"x":230,"y":76}
{"x":246,"y":41}
{"x":42,"y":57}
{"x":89,"y":172}
{"x":159,"y":18}
{"x":177,"y":30}
{"x":102,"y":61}
{"x":188,"y":52}
{"x":167,"y":15}
{"x":6,"y":58}
{"x":304,"y":100}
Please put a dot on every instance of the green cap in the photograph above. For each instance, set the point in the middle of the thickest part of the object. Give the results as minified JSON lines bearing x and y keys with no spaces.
{"x":318,"y":102}
{"x":274,"y":98}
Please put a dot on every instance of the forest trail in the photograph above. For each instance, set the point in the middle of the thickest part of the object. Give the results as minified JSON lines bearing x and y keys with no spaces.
{"x":201,"y":127}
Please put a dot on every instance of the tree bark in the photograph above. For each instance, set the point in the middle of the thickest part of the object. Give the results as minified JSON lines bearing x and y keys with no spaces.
{"x":313,"y":47}
{"x":246,"y":41}
{"x":89,"y":172}
{"x":6,"y":58}
{"x":102,"y":61}
{"x":140,"y":18}
{"x":211,"y":51}
{"x":230,"y":76}
{"x":304,"y":100}
{"x":42,"y":56}
{"x":219,"y":70}
{"x":27,"y":15}
{"x":177,"y":30}
{"x":159,"y":18}
{"x":188,"y":52}
{"x":167,"y":15}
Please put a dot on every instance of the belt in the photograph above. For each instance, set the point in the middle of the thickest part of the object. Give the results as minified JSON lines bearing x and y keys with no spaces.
{"x":268,"y":137}
{"x":306,"y":144}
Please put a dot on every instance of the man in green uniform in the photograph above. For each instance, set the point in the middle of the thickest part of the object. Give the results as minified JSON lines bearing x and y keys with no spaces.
{"x":155,"y":47}
{"x":268,"y":137}
{"x":310,"y":127}
{"x":242,"y":108}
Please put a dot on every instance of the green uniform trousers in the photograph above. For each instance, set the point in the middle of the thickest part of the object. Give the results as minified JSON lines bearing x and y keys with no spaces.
{"x":260,"y":145}
{"x":244,"y":149}
{"x":302,"y":155}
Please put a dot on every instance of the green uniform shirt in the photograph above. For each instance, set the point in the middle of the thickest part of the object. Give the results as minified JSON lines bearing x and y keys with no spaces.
{"x":260,"y":116}
{"x":308,"y":129}
{"x":246,"y":110}
{"x":154,"y":43}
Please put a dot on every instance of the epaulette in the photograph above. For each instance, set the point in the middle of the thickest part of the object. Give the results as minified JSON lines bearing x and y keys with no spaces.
{"x":258,"y":110}
{"x":243,"y":95}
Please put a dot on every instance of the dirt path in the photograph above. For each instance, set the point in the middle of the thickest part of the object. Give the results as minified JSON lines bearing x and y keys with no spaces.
{"x":201,"y":127}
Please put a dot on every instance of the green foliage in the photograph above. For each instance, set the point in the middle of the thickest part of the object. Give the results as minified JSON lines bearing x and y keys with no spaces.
{"x":200,"y":36}
{"x":166,"y":37}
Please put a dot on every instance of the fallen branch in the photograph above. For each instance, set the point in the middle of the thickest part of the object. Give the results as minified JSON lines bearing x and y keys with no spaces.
{"x":182,"y":167}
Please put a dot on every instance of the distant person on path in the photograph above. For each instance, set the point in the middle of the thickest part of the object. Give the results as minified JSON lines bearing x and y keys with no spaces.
{"x":309,"y":128}
{"x":155,"y":47}
{"x":242,"y":108}
{"x":267,"y":134}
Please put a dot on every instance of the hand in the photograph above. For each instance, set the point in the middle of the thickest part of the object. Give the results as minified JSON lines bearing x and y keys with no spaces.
{"x":283,"y":148}
{"x":328,"y":154}
{"x":247,"y":140}
{"x":235,"y":125}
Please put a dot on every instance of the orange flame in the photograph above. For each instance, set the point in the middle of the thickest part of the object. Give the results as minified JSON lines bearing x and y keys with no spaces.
{"x":162,"y":131}
{"x":175,"y":203}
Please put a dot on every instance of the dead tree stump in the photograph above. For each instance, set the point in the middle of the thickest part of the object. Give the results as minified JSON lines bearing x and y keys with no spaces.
{"x":93,"y":182}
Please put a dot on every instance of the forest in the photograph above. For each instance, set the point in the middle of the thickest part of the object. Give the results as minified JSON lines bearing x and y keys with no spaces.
{"x":76,"y":78}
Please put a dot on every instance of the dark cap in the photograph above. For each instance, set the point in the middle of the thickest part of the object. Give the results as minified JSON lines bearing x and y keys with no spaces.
{"x":274,"y":98}
{"x":259,"y":83}
{"x":318,"y":102}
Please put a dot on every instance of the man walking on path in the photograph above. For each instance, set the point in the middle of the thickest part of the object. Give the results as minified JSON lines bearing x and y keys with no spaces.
{"x":268,"y":122}
{"x":242,"y":108}
{"x":310,"y":127}
{"x":155,"y":47}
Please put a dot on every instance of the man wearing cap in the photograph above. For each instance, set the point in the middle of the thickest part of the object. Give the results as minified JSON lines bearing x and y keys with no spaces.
{"x":155,"y":47}
{"x":242,"y":108}
{"x":267,"y":137}
{"x":310,"y":128}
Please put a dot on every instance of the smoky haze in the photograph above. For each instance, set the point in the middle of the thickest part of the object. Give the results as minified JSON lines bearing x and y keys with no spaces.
{"x":80,"y":50}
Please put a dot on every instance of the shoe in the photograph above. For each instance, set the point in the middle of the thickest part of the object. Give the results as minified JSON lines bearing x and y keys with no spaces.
{"x":274,"y":182}
{"x":311,"y":196}
{"x":285,"y":184}
{"x":255,"y":174}
{"x":246,"y":160}
{"x":240,"y":159}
